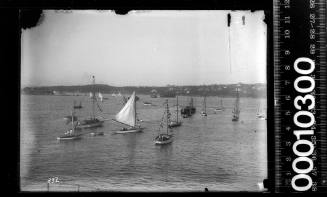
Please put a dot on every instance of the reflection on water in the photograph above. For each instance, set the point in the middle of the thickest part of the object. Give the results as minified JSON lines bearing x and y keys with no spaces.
{"x":211,"y":151}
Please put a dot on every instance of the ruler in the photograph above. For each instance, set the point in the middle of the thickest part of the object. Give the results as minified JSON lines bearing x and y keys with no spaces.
{"x":299,"y":48}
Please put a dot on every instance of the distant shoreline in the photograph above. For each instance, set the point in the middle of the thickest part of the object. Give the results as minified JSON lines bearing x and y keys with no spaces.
{"x":223,"y":90}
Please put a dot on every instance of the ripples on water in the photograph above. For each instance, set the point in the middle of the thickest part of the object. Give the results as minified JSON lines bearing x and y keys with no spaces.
{"x":211,"y":151}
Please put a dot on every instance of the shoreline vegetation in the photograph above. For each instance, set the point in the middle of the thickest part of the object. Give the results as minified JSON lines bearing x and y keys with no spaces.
{"x":221,"y":90}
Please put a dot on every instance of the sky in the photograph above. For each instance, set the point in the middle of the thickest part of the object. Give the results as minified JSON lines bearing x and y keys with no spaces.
{"x":144,"y":48}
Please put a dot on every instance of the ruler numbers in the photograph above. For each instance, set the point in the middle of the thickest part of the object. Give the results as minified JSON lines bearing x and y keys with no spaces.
{"x":299,"y":43}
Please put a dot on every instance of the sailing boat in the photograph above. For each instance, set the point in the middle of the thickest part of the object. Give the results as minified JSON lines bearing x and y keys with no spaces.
{"x":260,"y":114}
{"x":188,"y":110}
{"x":221,"y":107}
{"x":175,"y":123}
{"x":236,"y":110}
{"x":92,"y":121}
{"x":164,"y":138}
{"x":71,"y":134}
{"x":101,"y":97}
{"x":204,"y":112}
{"x":78,"y":106}
{"x":127,"y":116}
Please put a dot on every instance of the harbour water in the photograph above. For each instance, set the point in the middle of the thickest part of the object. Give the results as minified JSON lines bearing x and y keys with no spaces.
{"x":207,"y":152}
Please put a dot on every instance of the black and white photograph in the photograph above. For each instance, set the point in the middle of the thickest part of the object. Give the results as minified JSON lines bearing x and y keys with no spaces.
{"x":149,"y":101}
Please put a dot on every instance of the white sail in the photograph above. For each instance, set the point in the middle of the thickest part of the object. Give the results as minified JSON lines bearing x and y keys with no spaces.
{"x":127,"y":114}
{"x":100,"y":96}
{"x":91,"y":95}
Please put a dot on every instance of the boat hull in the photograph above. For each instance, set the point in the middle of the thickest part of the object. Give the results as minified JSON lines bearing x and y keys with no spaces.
{"x":175,"y":124}
{"x":261,"y":118}
{"x":159,"y":139}
{"x":235,"y":119}
{"x":96,"y":133}
{"x":90,"y":125}
{"x":72,"y":137}
{"x":134,"y":130}
{"x":203,"y":114}
{"x":157,"y":142}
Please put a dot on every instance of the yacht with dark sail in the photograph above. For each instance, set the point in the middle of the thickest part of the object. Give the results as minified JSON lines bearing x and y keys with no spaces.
{"x":189,"y":110}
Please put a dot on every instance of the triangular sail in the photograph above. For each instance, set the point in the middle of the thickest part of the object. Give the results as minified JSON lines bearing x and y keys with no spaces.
{"x":127,"y":114}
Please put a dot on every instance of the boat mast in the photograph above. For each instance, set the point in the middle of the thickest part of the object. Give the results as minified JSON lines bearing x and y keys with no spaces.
{"x":135,"y":108}
{"x":205,"y":110}
{"x":93,"y":97}
{"x":167,"y":111}
{"x":237,"y":102}
{"x":177,"y":107}
{"x":229,"y":43}
{"x":73,"y":127}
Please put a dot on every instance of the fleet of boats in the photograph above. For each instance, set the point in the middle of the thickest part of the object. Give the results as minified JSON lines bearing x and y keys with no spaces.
{"x":127,"y":116}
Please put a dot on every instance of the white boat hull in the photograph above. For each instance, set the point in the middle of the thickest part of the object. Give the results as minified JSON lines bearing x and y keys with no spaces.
{"x":69,"y":137}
